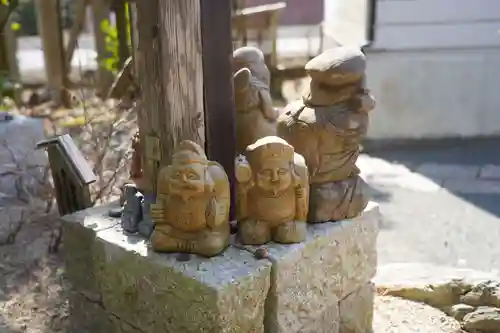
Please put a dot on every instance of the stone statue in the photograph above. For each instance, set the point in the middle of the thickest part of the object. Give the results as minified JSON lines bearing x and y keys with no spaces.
{"x":191,"y":211}
{"x":255,"y":114}
{"x":272,"y":193}
{"x":326,"y":127}
{"x":132,"y":210}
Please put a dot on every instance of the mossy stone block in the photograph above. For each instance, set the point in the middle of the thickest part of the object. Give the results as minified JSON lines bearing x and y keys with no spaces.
{"x":157,"y":292}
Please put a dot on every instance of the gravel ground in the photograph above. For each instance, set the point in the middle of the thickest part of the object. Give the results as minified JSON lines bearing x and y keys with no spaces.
{"x":32,"y":289}
{"x":396,"y":315}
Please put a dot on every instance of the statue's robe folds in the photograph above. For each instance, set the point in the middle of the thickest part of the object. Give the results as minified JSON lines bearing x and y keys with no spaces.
{"x":329,"y":137}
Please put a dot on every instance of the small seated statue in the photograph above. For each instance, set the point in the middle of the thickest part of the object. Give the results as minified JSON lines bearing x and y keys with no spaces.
{"x":131,"y":215}
{"x":326,"y":127}
{"x":191,"y":211}
{"x":272,"y":193}
{"x":255,"y":114}
{"x":133,"y":210}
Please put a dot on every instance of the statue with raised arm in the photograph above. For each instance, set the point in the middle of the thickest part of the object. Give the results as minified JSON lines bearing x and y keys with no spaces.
{"x":255,"y":114}
{"x":272,"y":193}
{"x":192,"y":205}
{"x":326,"y":127}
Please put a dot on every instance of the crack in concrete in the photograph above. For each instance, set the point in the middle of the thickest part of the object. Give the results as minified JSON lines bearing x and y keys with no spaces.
{"x":100,"y":304}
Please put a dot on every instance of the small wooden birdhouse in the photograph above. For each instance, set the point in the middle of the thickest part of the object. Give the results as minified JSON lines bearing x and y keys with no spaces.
{"x":71,"y":174}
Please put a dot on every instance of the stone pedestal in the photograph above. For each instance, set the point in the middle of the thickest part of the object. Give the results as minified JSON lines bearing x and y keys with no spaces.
{"x":319,"y":286}
{"x":323,"y":284}
{"x":128,"y":288}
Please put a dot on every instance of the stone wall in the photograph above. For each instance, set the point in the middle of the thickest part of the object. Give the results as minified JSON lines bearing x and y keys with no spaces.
{"x":319,"y":286}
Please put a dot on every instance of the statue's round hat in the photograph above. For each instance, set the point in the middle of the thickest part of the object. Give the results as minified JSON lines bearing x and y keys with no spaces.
{"x":248,"y":54}
{"x":253,"y":59}
{"x":189,"y":152}
{"x":337,"y":66}
{"x":269,"y":147}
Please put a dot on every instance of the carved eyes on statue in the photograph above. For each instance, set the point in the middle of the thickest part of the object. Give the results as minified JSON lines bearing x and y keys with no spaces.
{"x":270,"y":172}
{"x":192,"y":176}
{"x":186,"y":176}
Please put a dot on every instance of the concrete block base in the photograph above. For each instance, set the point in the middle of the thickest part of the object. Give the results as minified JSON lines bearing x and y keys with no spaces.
{"x":356,"y":310}
{"x":319,"y":286}
{"x":310,"y":281}
{"x":118,"y":275}
{"x":89,"y":316}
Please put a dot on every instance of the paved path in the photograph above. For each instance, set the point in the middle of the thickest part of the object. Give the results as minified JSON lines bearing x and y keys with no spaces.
{"x":441,"y":205}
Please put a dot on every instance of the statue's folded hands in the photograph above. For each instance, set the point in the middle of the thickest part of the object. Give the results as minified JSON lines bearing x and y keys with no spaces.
{"x":272,"y":193}
{"x":192,"y":208}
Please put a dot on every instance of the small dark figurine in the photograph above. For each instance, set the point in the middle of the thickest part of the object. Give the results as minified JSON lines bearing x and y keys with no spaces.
{"x":146,"y":225}
{"x":134,"y":210}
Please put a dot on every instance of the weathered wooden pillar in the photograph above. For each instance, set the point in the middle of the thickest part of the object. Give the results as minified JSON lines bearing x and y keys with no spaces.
{"x":50,"y":29}
{"x":183,"y":57}
{"x":217,"y":48}
{"x":148,"y":60}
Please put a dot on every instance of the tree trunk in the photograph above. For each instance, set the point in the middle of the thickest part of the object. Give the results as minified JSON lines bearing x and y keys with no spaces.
{"x":49,"y":26}
{"x":185,"y":95}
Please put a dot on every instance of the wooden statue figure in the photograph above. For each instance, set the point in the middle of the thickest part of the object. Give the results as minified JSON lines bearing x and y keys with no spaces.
{"x":192,"y":205}
{"x":255,"y":114}
{"x":273,"y":193}
{"x":326,"y":127}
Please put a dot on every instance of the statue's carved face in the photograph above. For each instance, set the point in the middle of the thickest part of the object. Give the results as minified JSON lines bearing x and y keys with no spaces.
{"x":187,"y":180}
{"x":274,"y":176}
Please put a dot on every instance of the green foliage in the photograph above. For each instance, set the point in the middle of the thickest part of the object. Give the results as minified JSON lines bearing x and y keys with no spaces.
{"x":112,"y":44}
{"x":111,"y":62}
{"x":25,"y":19}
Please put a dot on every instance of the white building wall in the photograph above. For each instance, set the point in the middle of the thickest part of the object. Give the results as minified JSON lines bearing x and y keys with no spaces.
{"x":434,"y":69}
{"x":345,"y":21}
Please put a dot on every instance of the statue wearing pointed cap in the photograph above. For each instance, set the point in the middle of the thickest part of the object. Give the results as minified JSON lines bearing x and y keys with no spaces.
{"x":192,"y":205}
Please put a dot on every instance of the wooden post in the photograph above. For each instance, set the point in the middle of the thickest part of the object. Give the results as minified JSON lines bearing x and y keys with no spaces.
{"x":50,"y":28}
{"x":183,"y":92}
{"x":216,"y":38}
{"x":148,"y":60}
{"x":100,"y":12}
